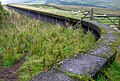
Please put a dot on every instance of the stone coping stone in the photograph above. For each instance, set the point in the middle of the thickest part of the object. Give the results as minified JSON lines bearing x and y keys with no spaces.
{"x":52,"y":75}
{"x":104,"y":49}
{"x":82,"y":64}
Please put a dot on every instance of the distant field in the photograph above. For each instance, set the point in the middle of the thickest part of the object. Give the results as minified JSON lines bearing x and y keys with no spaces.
{"x":51,"y":8}
{"x":54,"y":10}
{"x":114,"y":4}
{"x":81,"y":8}
{"x":63,"y":10}
{"x":67,"y":11}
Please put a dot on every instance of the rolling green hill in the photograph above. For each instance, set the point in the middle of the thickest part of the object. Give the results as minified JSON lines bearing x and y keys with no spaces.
{"x":114,"y":4}
{"x":98,"y":3}
{"x":94,"y":3}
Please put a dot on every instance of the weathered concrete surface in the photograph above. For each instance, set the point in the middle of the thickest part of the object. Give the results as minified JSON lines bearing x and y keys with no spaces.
{"x":52,"y":75}
{"x":83,"y":64}
{"x":109,"y":38}
{"x":102,"y":51}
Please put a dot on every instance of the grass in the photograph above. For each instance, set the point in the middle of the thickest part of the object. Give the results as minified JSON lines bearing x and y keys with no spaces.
{"x":113,"y":72}
{"x":46,"y":44}
{"x":2,"y":13}
{"x":107,"y":21}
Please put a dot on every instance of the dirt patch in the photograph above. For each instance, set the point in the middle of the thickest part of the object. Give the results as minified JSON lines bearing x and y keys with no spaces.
{"x":10,"y":74}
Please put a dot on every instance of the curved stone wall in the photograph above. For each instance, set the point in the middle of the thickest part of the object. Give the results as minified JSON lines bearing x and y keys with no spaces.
{"x":55,"y":19}
{"x":89,"y":63}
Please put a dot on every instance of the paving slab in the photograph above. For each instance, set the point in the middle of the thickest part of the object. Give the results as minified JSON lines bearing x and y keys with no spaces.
{"x":52,"y":75}
{"x":83,"y":64}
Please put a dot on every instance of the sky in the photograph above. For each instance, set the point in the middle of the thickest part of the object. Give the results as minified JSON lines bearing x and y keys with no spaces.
{"x":12,"y":1}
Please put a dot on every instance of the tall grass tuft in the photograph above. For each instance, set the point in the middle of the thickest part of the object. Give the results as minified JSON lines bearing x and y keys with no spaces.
{"x":3,"y":13}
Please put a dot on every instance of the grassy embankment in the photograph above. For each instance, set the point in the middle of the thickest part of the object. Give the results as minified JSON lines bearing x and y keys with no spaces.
{"x":46,"y":44}
{"x":3,"y":14}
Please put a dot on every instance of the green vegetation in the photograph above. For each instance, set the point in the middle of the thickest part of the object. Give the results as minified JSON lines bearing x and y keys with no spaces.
{"x":53,"y":10}
{"x":113,"y":72}
{"x":77,"y":77}
{"x":2,"y":13}
{"x":83,"y":8}
{"x":46,"y":44}
{"x":114,"y":4}
{"x":94,"y":3}
{"x":107,"y":21}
